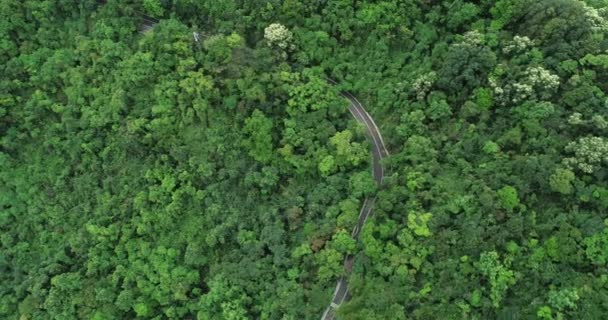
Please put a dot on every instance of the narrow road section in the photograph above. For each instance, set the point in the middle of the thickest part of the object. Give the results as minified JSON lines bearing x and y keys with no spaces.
{"x":379,"y":152}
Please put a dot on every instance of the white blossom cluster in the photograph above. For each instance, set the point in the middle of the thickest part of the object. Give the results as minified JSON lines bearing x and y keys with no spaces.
{"x":473,"y":38}
{"x":494,"y":85}
{"x":500,"y":94}
{"x":596,"y":17}
{"x":597,"y":120}
{"x":422,"y":85}
{"x":470,"y":39}
{"x":589,"y":153}
{"x":518,"y":44}
{"x":278,"y":35}
{"x":575,"y":119}
{"x":536,"y":82}
{"x":521,"y":91}
{"x":539,"y":76}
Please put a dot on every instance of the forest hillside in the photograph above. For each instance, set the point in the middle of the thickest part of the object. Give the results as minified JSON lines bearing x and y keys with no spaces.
{"x":207,"y":169}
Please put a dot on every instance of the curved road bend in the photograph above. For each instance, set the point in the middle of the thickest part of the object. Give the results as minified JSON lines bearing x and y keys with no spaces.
{"x":379,"y":152}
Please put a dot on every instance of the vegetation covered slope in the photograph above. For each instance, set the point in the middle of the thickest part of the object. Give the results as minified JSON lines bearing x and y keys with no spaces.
{"x":153,"y":176}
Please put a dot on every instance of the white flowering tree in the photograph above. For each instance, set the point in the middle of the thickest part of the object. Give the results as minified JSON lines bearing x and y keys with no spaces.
{"x":279,"y":37}
{"x":590,"y":153}
{"x":534,"y":83}
{"x":422,"y":85}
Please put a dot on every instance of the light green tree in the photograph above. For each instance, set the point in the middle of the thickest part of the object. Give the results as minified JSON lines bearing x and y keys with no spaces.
{"x":561,"y":181}
{"x":351,"y":153}
{"x":508,"y":198}
{"x":417,"y":222}
{"x":154,"y":8}
{"x":327,"y":165}
{"x":258,"y":129}
{"x":344,"y":243}
{"x":497,"y":274}
{"x":596,"y":246}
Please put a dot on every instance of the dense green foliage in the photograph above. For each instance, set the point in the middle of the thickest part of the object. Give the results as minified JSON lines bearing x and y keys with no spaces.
{"x":153,"y":176}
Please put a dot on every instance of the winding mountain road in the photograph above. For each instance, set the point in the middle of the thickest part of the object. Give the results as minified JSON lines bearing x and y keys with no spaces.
{"x":379,"y":152}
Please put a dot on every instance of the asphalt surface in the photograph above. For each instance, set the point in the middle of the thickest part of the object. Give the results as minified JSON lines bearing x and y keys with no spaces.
{"x":379,"y":152}
{"x":147,"y":24}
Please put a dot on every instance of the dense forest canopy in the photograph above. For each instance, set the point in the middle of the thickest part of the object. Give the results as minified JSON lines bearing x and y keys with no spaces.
{"x":158,"y":176}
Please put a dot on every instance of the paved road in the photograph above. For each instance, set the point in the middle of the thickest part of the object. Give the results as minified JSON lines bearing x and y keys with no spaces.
{"x":379,"y":152}
{"x":147,"y":24}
